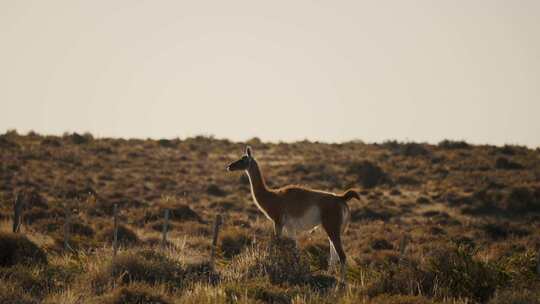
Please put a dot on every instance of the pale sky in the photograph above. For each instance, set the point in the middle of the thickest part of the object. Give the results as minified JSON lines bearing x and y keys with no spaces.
{"x":278,"y":70}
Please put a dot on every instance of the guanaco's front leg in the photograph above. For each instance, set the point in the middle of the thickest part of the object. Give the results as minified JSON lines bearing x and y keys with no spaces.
{"x":278,"y":229}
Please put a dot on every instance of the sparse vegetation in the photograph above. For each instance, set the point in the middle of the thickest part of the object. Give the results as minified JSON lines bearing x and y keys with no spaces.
{"x":471,"y":215}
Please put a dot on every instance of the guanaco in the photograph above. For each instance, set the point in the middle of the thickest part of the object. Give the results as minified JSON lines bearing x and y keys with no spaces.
{"x":299,"y":209}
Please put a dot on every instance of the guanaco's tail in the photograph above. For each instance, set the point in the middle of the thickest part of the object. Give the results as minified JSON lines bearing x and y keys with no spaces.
{"x":350,"y":194}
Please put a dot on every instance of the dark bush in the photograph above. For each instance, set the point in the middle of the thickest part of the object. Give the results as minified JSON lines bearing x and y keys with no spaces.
{"x":32,"y":280}
{"x":400,"y":278}
{"x":414,"y":149}
{"x":504,"y":163}
{"x":12,"y":293}
{"x":516,"y":296}
{"x":146,"y":266}
{"x":369,"y":175}
{"x":7,"y":144}
{"x":180,"y":212}
{"x":285,"y":263}
{"x":134,"y":294}
{"x":78,"y":139}
{"x":400,"y":299}
{"x":381,"y":244}
{"x":453,"y":145}
{"x":215,"y":190}
{"x":407,"y":180}
{"x":422,"y":200}
{"x":322,"y":283}
{"x":258,"y":291}
{"x":395,"y":192}
{"x":449,"y":272}
{"x":318,"y":255}
{"x":201,"y":272}
{"x":126,"y":236}
{"x":51,"y":142}
{"x":17,"y":249}
{"x":512,"y":150}
{"x":499,"y":231}
{"x":366,"y":213}
{"x":523,"y":200}
{"x":461,"y":275}
{"x":233,"y":242}
{"x":279,"y":260}
{"x":82,"y":229}
{"x":166,"y":143}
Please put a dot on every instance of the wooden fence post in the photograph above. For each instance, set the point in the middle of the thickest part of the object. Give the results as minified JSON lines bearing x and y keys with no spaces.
{"x":403,"y":246}
{"x":538,"y":262}
{"x":217,"y":224}
{"x":67,"y":227}
{"x":17,"y":212}
{"x":115,"y":236}
{"x":165,"y":229}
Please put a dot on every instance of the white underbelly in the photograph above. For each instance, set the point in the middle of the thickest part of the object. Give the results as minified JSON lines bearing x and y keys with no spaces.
{"x":309,"y":220}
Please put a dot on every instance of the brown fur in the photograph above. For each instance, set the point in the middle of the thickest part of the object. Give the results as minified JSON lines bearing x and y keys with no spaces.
{"x":294,"y":201}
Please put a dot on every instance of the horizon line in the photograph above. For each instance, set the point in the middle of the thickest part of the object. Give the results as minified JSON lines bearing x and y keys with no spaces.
{"x":264,"y":141}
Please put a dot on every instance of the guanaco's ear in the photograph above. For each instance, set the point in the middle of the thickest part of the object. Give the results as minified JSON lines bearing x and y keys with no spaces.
{"x":248,"y":151}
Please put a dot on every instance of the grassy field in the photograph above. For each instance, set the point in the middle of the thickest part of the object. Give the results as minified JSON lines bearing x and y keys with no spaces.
{"x":469,"y":214}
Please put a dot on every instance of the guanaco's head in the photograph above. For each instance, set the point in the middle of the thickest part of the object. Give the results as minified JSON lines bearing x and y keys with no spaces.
{"x":243,"y":163}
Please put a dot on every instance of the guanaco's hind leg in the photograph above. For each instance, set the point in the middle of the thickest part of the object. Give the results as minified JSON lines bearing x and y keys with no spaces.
{"x":333,"y":256}
{"x":332,"y":223}
{"x":336,"y":242}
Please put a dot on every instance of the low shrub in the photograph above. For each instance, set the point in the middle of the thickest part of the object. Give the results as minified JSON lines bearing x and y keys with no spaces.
{"x":372,"y":214}
{"x":499,"y":231}
{"x":167,"y":143}
{"x":322,"y":283}
{"x":520,"y":267}
{"x":126,"y":236}
{"x":381,"y":244}
{"x":233,"y":242}
{"x":137,"y":293}
{"x":414,"y":149}
{"x":11,"y":293}
{"x":453,"y":144}
{"x":32,"y":280}
{"x":458,"y":274}
{"x":400,"y":278}
{"x":450,"y":272}
{"x":422,"y":200}
{"x":368,"y":174}
{"x":79,"y":139}
{"x":146,"y":266}
{"x":279,"y":261}
{"x":18,"y":249}
{"x":504,"y":163}
{"x":258,"y":291}
{"x":178,"y":212}
{"x":318,"y":255}
{"x":523,"y":200}
{"x":201,"y":272}
{"x":513,"y":296}
{"x":400,"y":299}
{"x":215,"y":190}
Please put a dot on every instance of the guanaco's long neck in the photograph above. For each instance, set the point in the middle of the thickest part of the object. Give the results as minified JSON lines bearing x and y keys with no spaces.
{"x":258,"y":185}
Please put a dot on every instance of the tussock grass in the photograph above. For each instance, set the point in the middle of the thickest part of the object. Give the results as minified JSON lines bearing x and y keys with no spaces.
{"x":136,"y":293}
{"x":126,"y":235}
{"x":233,"y":242}
{"x":18,"y":249}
